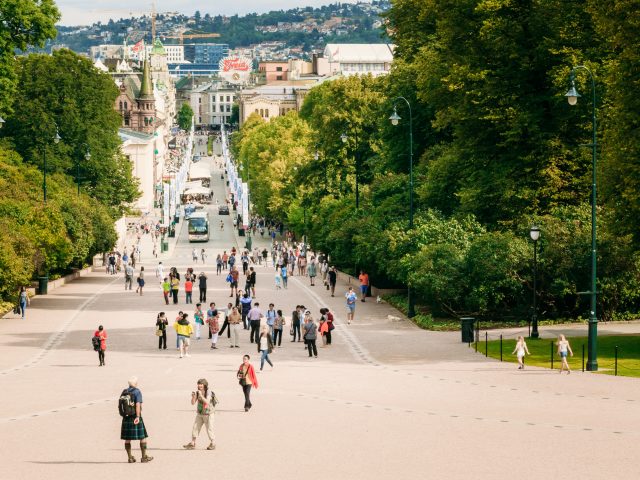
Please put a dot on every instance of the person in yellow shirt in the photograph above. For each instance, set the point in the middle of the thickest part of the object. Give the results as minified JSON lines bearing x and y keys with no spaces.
{"x":184,"y":330}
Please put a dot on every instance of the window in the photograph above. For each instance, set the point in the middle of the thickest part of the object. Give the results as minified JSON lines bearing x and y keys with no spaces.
{"x":120,"y":105}
{"x":146,"y":121}
{"x":125,"y":106}
{"x":228,"y":98}
{"x":262,"y":112}
{"x":278,"y":69}
{"x":126,"y":121}
{"x":199,"y":99}
{"x":213,"y":107}
{"x":221,"y":98}
{"x":266,"y":114}
{"x":279,"y":77}
{"x":257,"y":111}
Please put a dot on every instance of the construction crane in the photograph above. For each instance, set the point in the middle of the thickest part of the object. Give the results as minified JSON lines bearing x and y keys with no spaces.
{"x":182,"y":36}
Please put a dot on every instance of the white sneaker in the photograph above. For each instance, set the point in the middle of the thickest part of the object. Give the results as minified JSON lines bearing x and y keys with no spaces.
{"x":180,"y":355}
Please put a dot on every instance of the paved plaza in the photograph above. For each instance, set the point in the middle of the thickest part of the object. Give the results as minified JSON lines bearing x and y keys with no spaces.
{"x":387,"y":400}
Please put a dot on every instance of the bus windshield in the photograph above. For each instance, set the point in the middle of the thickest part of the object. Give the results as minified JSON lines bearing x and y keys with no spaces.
{"x":198,"y":225}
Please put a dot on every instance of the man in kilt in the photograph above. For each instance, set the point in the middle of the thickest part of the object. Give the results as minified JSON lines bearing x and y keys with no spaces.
{"x":133,"y":426}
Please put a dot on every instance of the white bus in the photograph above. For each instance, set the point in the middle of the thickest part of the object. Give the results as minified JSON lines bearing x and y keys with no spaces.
{"x":199,"y":227}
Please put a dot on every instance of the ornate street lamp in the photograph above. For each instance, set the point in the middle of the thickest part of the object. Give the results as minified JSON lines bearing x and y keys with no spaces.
{"x":534,"y":233}
{"x":56,"y":140}
{"x":395,"y":119}
{"x":572,"y":97}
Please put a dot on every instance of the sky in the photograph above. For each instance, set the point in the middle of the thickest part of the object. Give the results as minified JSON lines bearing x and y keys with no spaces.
{"x":83,"y":12}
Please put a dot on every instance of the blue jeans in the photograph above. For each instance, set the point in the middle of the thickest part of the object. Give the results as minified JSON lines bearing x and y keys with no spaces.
{"x":265,"y":356}
{"x":23,"y":308}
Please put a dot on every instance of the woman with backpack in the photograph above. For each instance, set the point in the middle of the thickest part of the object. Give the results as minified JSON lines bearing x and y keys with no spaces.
{"x":23,"y":301}
{"x":100,"y":343}
{"x":204,"y":414}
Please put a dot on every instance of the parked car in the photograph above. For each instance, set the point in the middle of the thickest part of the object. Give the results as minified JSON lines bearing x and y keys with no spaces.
{"x":223,"y":210}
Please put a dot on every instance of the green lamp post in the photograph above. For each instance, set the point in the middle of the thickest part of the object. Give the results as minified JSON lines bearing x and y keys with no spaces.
{"x":395,"y":119}
{"x":56,"y":140}
{"x":572,"y":96}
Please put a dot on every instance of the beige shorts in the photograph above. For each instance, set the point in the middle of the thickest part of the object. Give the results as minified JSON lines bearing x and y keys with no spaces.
{"x":186,"y":341}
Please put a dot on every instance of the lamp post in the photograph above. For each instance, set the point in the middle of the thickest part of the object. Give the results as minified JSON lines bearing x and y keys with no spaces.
{"x":572,"y":96}
{"x":87,"y":157}
{"x":56,"y":140}
{"x":344,"y":139}
{"x":534,"y":233}
{"x":395,"y":119}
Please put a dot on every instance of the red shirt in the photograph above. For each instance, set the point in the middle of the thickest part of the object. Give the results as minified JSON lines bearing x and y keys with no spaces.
{"x":188,"y":286}
{"x":103,"y":338}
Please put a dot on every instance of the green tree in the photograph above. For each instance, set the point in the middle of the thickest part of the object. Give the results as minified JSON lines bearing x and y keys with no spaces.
{"x":185,"y":116}
{"x":81,"y":105}
{"x":23,"y":23}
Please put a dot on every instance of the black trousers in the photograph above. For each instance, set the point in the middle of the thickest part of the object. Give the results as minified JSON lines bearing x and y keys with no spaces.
{"x":311,"y":345}
{"x":175,"y":296}
{"x":101,"y":356}
{"x":277,"y":336}
{"x":162,"y":340}
{"x":296,"y":329}
{"x":246,"y":389}
{"x":245,"y":322}
{"x":203,"y":294}
{"x":328,"y":336}
{"x":254,"y":335}
{"x":225,"y":326}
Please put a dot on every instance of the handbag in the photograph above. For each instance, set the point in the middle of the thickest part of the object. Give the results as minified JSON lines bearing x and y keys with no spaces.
{"x":158,"y":332}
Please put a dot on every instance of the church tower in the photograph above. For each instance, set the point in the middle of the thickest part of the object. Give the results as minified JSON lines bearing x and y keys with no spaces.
{"x":146,"y":102}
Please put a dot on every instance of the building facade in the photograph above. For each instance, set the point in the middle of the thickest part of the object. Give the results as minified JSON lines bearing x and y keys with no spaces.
{"x":359,"y":58}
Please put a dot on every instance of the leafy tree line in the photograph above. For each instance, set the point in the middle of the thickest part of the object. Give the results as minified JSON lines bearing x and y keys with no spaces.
{"x":496,"y":147}
{"x":42,"y":96}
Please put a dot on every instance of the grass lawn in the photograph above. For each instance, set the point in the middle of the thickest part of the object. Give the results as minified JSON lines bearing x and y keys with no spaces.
{"x":628,"y":353}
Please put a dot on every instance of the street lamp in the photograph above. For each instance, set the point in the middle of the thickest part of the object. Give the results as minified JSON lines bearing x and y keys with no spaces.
{"x":344,"y":139}
{"x":395,"y":119}
{"x":87,"y":157}
{"x":56,"y":140}
{"x":534,"y":233}
{"x":572,"y":97}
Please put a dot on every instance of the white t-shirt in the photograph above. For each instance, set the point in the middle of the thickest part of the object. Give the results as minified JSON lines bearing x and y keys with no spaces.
{"x":264,"y":343}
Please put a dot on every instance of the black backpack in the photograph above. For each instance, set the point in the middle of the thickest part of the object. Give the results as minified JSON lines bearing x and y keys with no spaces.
{"x":127,"y":404}
{"x":95,"y":342}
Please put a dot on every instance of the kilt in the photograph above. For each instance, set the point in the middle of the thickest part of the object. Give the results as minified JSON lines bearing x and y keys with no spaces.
{"x":129,"y":431}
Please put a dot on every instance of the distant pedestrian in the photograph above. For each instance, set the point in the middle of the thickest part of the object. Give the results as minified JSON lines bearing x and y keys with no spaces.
{"x":194,"y":255}
{"x":184,"y":330}
{"x":278,"y":280}
{"x":234,"y":324}
{"x":563,"y":349}
{"x":283,"y":275}
{"x":203,"y":255}
{"x":166,"y":290}
{"x":278,"y":326}
{"x":520,"y":350}
{"x":23,"y":301}
{"x":351,"y":304}
{"x":133,"y":427}
{"x":251,"y":281}
{"x":188,"y":289}
{"x":202,"y":286}
{"x":265,"y":346}
{"x":333,"y":277}
{"x":330,"y":326}
{"x":296,"y":320}
{"x":233,"y":280}
{"x":204,"y":414}
{"x":198,"y":319}
{"x":271,"y":315}
{"x":254,"y":316}
{"x":140,"y":280}
{"x":128,"y":276}
{"x":214,"y":328}
{"x":218,"y":264}
{"x":160,"y":272}
{"x":323,"y":328}
{"x":175,"y":288}
{"x":312,"y":271}
{"x":247,"y":378}
{"x":245,"y":306}
{"x":161,"y":330}
{"x":101,"y":343}
{"x":364,"y":284}
{"x":310,"y":334}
